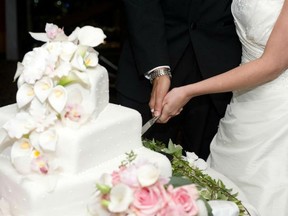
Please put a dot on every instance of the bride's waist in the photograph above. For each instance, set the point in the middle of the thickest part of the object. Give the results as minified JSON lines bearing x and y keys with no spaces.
{"x":275,"y":88}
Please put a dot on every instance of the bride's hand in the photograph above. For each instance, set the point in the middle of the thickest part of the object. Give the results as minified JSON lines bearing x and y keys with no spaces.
{"x":173,"y":103}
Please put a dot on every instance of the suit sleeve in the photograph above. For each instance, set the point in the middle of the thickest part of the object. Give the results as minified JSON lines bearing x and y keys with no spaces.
{"x":146,"y":31}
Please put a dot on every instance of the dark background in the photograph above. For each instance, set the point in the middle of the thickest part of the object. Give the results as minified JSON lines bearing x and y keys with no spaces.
{"x":23,"y":16}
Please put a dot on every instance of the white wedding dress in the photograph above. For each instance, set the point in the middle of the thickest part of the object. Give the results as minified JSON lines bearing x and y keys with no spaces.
{"x":251,"y":146}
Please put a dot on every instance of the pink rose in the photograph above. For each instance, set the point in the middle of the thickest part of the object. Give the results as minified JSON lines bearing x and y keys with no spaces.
{"x":183,"y":200}
{"x":192,"y":190}
{"x":115,"y":177}
{"x":129,"y":176}
{"x":149,"y":201}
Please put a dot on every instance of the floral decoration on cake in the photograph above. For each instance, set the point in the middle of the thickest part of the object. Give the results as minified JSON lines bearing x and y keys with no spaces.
{"x":42,"y":97}
{"x":139,"y":189}
{"x":193,"y":168}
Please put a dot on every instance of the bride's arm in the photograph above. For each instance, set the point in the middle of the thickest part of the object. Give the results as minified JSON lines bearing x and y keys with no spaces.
{"x":268,"y":67}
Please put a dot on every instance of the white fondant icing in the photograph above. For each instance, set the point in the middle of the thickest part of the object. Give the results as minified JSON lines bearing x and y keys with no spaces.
{"x":31,"y":196}
{"x":116,"y":131}
{"x":84,"y":154}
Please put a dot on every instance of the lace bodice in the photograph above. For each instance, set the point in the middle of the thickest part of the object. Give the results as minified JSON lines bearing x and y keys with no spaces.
{"x":254,"y":22}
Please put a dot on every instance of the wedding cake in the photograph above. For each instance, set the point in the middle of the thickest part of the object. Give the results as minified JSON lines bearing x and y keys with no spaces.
{"x":63,"y":134}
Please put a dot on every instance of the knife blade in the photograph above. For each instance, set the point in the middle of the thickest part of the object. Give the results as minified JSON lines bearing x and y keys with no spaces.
{"x":148,"y":124}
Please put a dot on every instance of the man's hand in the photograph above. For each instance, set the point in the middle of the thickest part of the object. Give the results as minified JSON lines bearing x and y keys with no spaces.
{"x":161,"y":86}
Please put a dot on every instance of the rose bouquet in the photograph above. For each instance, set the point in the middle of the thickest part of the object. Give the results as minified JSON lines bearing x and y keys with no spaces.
{"x":139,"y":189}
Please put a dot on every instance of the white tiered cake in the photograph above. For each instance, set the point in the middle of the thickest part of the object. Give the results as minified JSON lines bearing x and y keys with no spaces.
{"x":63,"y":133}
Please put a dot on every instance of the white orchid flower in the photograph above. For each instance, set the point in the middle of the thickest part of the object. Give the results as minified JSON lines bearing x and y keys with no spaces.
{"x":34,"y":140}
{"x":73,"y":112}
{"x":73,"y":37}
{"x":39,"y":36}
{"x":37,"y":108}
{"x":76,"y":112}
{"x":148,"y":174}
{"x":90,"y":36}
{"x":24,"y":95}
{"x":121,"y":196}
{"x":67,"y":50}
{"x":20,"y":125}
{"x":21,"y":147}
{"x":105,"y":179}
{"x":63,"y":69}
{"x":43,"y":88}
{"x":39,"y":162}
{"x":191,"y":156}
{"x":84,"y":58}
{"x":54,"y":48}
{"x":42,"y":116}
{"x":35,"y":63}
{"x":58,"y":98}
{"x":75,"y":76}
{"x":20,"y":81}
{"x":21,"y":155}
{"x":194,"y":160}
{"x":77,"y":61}
{"x":82,"y":77}
{"x":45,"y":141}
{"x":104,"y":184}
{"x":53,"y":33}
{"x":46,"y":121}
{"x":201,"y":164}
{"x":91,"y":59}
{"x":95,"y":207}
{"x":19,"y":70}
{"x":48,"y":140}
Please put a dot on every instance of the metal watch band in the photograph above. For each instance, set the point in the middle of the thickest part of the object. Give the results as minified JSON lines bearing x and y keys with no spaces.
{"x":159,"y":72}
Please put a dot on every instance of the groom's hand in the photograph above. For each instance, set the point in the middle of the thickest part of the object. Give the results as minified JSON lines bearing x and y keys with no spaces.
{"x":161,"y":86}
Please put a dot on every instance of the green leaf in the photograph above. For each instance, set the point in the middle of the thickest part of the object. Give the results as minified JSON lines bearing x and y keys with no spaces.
{"x":175,"y":150}
{"x":177,"y":181}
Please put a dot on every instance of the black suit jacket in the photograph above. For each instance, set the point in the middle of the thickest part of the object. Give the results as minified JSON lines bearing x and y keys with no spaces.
{"x":159,"y":31}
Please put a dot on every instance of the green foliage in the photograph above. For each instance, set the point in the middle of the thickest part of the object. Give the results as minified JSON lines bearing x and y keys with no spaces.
{"x":209,"y":188}
{"x":178,"y":181}
{"x":131,"y":156}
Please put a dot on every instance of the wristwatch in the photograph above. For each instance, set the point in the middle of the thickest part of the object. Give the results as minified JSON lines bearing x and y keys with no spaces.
{"x":159,"y":72}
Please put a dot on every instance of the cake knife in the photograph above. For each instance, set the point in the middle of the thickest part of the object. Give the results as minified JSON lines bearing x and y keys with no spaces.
{"x":148,"y":124}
